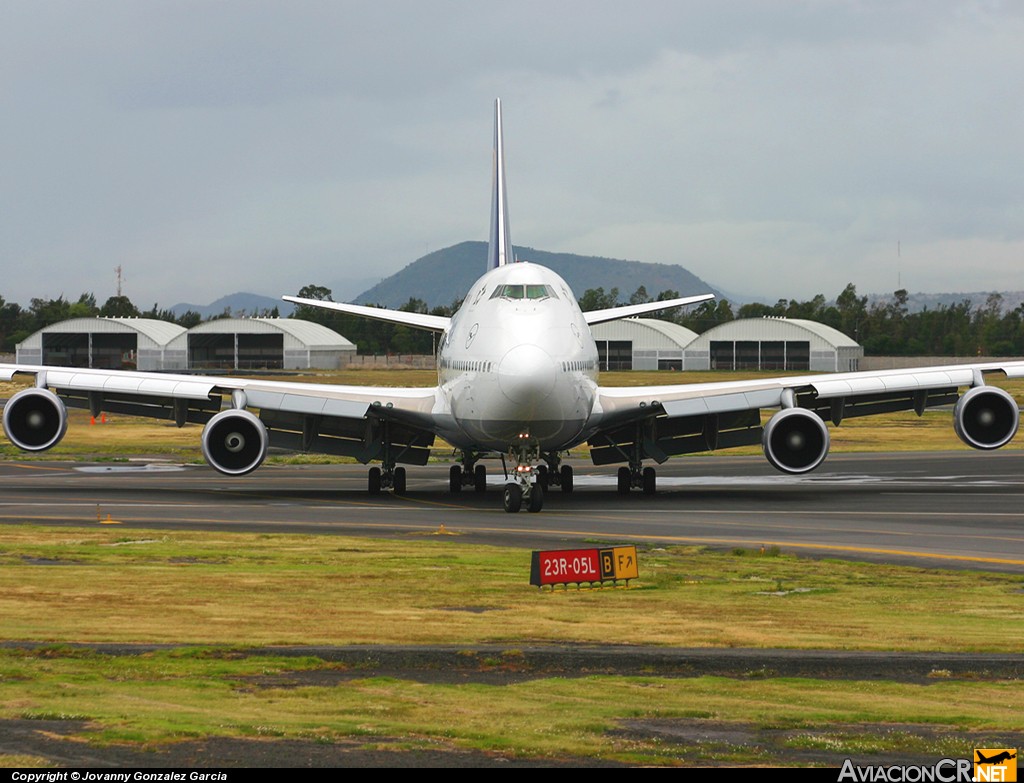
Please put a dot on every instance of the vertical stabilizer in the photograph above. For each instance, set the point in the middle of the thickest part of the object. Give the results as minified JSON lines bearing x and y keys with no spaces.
{"x":499,"y":252}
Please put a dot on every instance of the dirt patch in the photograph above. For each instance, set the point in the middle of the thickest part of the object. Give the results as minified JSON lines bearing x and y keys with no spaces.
{"x":55,"y":741}
{"x":708,"y":742}
{"x":693,"y":740}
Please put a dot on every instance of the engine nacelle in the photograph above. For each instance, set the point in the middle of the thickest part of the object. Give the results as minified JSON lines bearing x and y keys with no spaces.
{"x":235,"y":442}
{"x":986,"y":417}
{"x":35,"y":419}
{"x":795,"y":440}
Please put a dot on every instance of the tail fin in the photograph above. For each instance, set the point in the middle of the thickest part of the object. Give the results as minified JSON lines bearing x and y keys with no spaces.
{"x":499,"y":252}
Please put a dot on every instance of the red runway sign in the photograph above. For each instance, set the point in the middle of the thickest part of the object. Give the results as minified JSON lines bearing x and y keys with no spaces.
{"x":575,"y":566}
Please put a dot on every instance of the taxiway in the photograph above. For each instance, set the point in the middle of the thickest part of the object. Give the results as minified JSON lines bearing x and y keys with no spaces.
{"x":955,"y":509}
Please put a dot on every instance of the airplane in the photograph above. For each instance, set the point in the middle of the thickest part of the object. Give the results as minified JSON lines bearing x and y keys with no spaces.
{"x":517,"y":377}
{"x":996,"y":759}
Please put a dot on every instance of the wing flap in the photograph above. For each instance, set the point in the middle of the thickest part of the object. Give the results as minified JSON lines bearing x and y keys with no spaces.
{"x":364,"y":438}
{"x":180,"y":411}
{"x":663,"y":436}
{"x":768,"y":398}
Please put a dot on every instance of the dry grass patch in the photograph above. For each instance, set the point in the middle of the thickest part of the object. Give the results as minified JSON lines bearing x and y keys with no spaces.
{"x":119,"y":585}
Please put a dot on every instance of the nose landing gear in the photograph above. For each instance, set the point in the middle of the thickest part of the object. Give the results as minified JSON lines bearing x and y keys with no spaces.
{"x":526,"y":485}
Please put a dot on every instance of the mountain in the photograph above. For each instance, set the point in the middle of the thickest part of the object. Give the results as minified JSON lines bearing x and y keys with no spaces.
{"x":237,"y":304}
{"x":445,"y":276}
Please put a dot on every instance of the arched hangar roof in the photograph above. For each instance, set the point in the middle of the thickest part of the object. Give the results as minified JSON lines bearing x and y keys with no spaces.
{"x":777,"y":328}
{"x":643,"y":328}
{"x":160,"y":332}
{"x":312,"y":335}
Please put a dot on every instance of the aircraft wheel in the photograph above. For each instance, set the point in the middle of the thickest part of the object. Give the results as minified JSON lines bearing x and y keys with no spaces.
{"x":399,"y":481}
{"x":513,"y":498}
{"x":650,"y":481}
{"x":567,"y":479}
{"x":455,"y":478}
{"x":536,"y":499}
{"x":480,"y":479}
{"x":624,"y":481}
{"x":374,"y":481}
{"x":542,"y":476}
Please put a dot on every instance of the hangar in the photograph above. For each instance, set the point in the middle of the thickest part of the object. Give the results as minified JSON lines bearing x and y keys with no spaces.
{"x":773,"y":343}
{"x":641,"y":344}
{"x":105,"y":343}
{"x":263,"y":343}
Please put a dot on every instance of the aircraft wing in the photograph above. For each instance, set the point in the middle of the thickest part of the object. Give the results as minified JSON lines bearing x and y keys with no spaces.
{"x":661,"y":421}
{"x":355,"y":421}
{"x":434,"y":323}
{"x":629,"y":311}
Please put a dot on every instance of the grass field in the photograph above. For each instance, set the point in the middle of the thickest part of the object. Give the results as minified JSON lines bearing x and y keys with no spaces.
{"x":218,"y":592}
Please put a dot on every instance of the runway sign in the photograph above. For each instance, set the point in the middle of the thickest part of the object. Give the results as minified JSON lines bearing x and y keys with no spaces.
{"x":576,"y":566}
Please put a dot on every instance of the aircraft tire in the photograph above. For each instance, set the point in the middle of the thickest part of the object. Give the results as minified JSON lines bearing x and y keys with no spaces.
{"x":536,"y":499}
{"x":480,"y":479}
{"x":542,"y":476}
{"x":624,"y":481}
{"x":455,"y":478}
{"x":374,"y":481}
{"x":399,"y":481}
{"x":567,"y":479}
{"x":513,"y":498}
{"x":650,"y":481}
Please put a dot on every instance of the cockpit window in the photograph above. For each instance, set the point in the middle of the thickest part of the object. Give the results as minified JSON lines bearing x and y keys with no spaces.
{"x":530,"y":291}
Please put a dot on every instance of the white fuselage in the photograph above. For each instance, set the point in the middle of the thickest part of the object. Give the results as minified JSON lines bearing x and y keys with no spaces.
{"x":518,"y":361}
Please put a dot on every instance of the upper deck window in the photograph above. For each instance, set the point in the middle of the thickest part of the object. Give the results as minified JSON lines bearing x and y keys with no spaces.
{"x":529,"y":291}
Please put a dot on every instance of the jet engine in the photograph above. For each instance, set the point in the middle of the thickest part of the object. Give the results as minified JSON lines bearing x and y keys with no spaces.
{"x":795,"y":440}
{"x":986,"y":417}
{"x":35,"y":419}
{"x":235,"y":442}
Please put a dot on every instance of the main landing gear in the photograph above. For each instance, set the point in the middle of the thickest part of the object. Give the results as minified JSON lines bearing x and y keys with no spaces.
{"x":389,"y":477}
{"x":468,"y":474}
{"x":554,"y":473}
{"x":634,"y":476}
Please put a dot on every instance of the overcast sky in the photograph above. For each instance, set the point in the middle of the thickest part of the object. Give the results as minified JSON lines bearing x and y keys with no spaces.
{"x":777,"y":149}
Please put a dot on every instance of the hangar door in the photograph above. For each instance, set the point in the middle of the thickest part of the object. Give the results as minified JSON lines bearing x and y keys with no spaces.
{"x":764,"y":355}
{"x":615,"y":354}
{"x":100,"y":350}
{"x":233,"y":351}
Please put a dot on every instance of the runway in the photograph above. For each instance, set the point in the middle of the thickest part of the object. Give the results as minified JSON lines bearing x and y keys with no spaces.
{"x":957,"y":509}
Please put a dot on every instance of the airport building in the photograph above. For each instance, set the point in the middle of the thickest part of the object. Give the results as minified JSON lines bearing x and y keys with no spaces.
{"x":263,"y":343}
{"x":105,"y":343}
{"x":641,"y":344}
{"x":152,"y":345}
{"x":773,"y":343}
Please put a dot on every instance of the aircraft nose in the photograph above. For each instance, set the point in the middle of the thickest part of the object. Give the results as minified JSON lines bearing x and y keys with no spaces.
{"x":526,"y":375}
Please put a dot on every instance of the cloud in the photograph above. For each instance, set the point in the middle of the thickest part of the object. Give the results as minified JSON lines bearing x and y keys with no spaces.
{"x":776,"y":149}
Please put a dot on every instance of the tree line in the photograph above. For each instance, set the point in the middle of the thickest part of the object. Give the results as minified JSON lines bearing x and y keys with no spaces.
{"x":883,"y":328}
